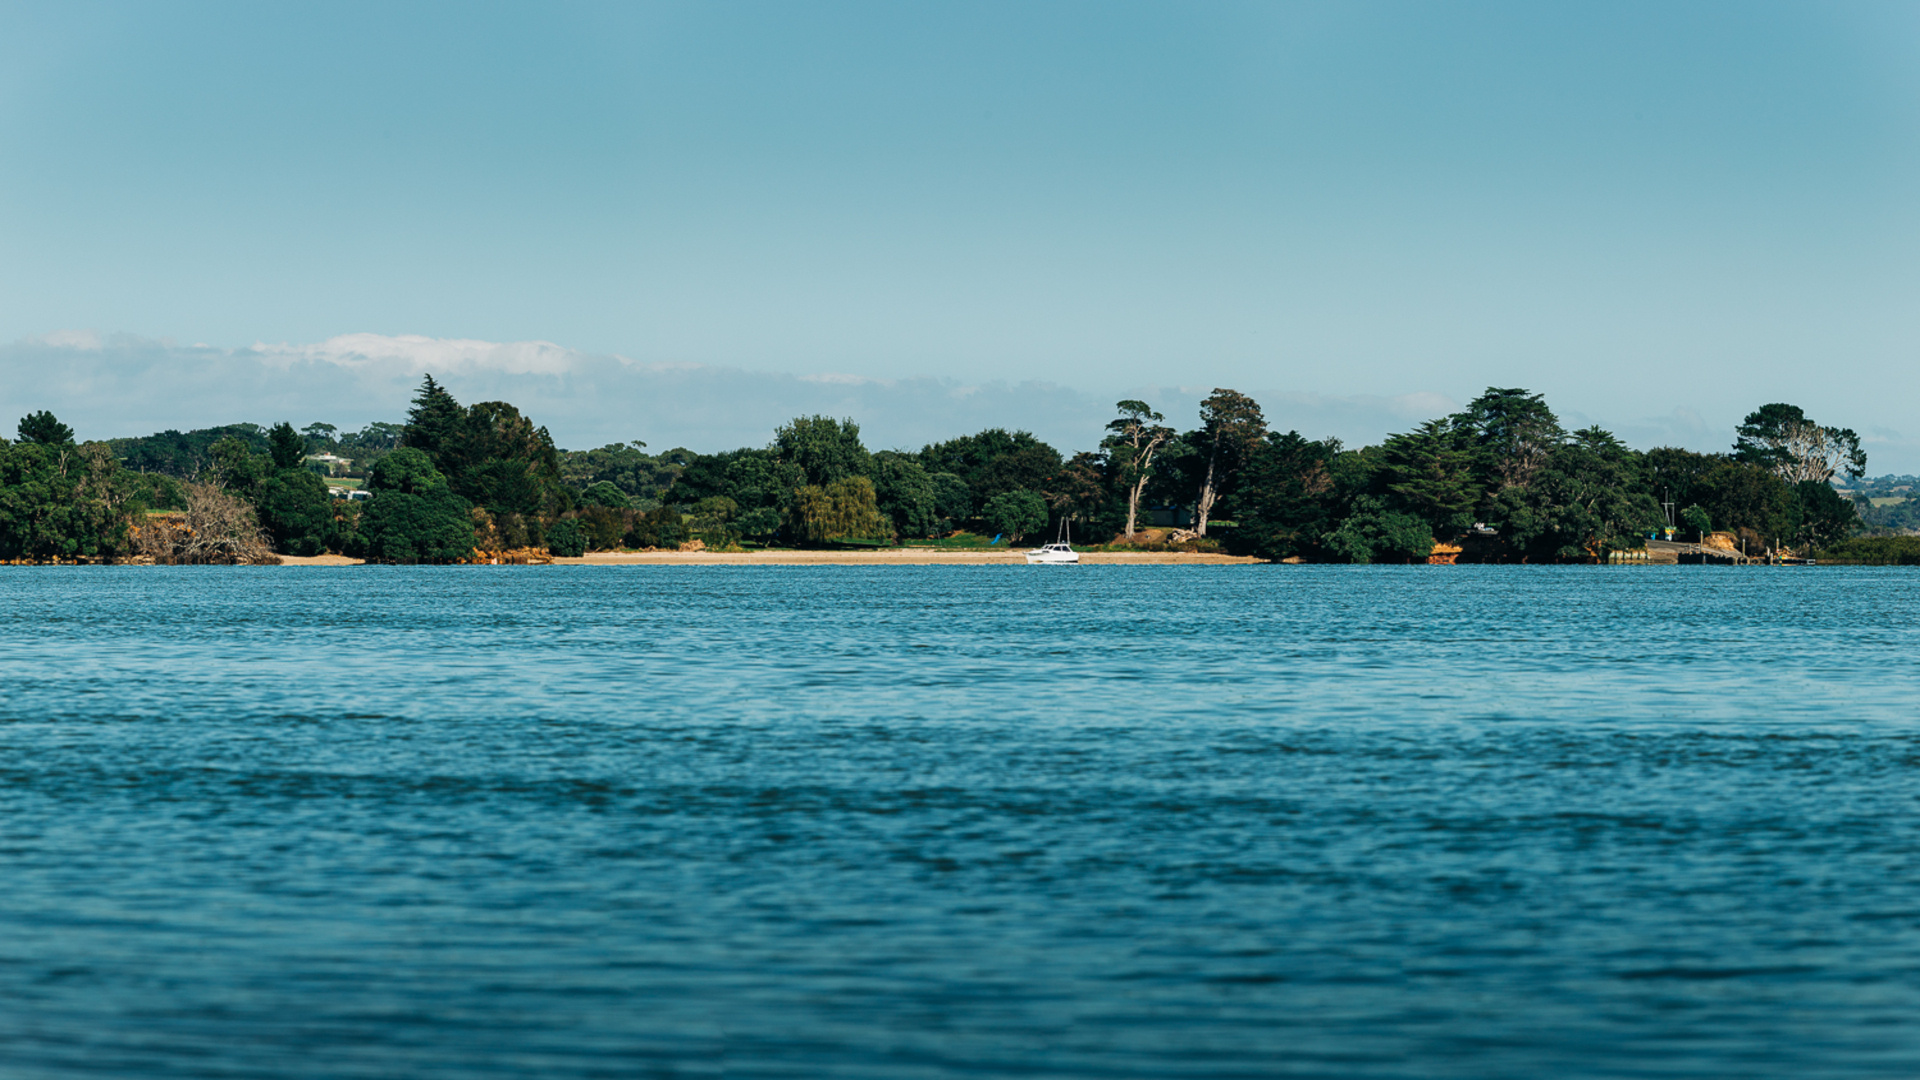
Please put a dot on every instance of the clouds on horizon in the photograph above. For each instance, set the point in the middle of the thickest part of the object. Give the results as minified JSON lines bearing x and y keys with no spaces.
{"x":116,"y":385}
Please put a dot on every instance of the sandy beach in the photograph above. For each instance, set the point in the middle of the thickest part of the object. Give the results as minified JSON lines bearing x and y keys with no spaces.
{"x":878,"y":557}
{"x":887,"y":557}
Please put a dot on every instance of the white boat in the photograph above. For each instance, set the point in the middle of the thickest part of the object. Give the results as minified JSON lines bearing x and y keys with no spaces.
{"x":1053,"y":553}
{"x":1060,"y":551}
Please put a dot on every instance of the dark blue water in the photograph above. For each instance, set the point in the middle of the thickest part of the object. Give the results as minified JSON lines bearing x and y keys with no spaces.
{"x":955,"y":821}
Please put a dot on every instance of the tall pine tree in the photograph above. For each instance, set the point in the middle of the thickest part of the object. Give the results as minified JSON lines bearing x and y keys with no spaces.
{"x":434,"y":421}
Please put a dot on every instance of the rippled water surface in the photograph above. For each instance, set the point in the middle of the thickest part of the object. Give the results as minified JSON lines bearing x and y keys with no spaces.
{"x":959,"y":821}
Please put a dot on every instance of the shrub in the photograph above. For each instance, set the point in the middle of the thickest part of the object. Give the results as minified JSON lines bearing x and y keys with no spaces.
{"x":567,"y":539}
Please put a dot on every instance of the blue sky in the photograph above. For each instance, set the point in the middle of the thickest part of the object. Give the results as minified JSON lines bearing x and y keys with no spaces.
{"x":1660,"y":215}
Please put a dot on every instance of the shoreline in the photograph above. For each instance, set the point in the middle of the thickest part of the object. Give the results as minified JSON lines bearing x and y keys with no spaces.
{"x":879,"y":557}
{"x":890,"y":557}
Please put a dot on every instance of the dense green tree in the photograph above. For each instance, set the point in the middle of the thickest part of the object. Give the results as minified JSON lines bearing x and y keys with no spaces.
{"x":1747,"y":498}
{"x":754,"y":479}
{"x":1231,"y":428}
{"x":434,"y":420}
{"x":1133,"y":439}
{"x":605,"y":493}
{"x":1015,"y":514}
{"x":320,"y":438}
{"x":1779,"y":437}
{"x":1429,"y":472}
{"x":661,"y":527}
{"x":1287,"y":500}
{"x":1740,"y":496}
{"x":1696,"y":518}
{"x":498,"y":459}
{"x":1372,"y":531}
{"x":567,"y":539}
{"x":627,"y":466}
{"x":1513,"y":432}
{"x":712,"y":522}
{"x":952,"y":499}
{"x":285,"y":446}
{"x":61,"y":501}
{"x":825,"y":450}
{"x":296,"y":511}
{"x":374,"y":439}
{"x":414,"y":516}
{"x":992,"y":462}
{"x":1082,"y":492}
{"x":187,"y":455}
{"x":41,"y":427}
{"x":1589,"y":498}
{"x":238,"y":468}
{"x":906,"y":495}
{"x":842,"y":510}
{"x":761,"y":522}
{"x":1825,"y":516}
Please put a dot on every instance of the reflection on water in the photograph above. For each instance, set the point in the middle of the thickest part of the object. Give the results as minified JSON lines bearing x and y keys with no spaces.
{"x":932,"y":821}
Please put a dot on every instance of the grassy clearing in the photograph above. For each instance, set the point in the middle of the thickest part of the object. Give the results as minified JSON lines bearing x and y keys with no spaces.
{"x":961,"y":541}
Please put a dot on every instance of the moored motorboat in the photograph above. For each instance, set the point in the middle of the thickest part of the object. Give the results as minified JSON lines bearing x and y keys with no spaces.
{"x":1053,"y":553}
{"x":1060,"y":551}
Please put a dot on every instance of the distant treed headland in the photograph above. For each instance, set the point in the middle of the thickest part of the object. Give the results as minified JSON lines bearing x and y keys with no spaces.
{"x":479,"y":482}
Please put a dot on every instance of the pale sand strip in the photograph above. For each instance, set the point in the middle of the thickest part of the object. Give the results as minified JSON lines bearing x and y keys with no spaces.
{"x":319,"y":560}
{"x":887,"y":557}
{"x":884,"y":557}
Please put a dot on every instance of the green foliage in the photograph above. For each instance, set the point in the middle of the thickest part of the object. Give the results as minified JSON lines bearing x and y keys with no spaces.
{"x":710,"y":521}
{"x":285,"y":446}
{"x":990,"y":463}
{"x":661,"y":527}
{"x":1372,"y":532}
{"x":434,"y":420}
{"x":41,"y":427}
{"x":405,"y":470}
{"x":183,"y":456}
{"x":952,"y":499}
{"x":1512,"y":433}
{"x":238,"y":469}
{"x":1696,"y":518}
{"x":1738,"y":496}
{"x":627,"y":467}
{"x":1430,"y":474}
{"x":320,"y":438}
{"x":1287,"y":500}
{"x":760,"y":523}
{"x":907,"y":495}
{"x":1873,"y":551}
{"x":297,"y":512}
{"x":60,"y":501}
{"x":1780,"y":438}
{"x":1825,"y":516}
{"x":155,"y":491}
{"x":605,"y":493}
{"x":843,"y":510}
{"x":1133,"y":439}
{"x":567,"y":539}
{"x":604,"y":526}
{"x":1015,"y":514}
{"x":1231,"y":429}
{"x":753,"y":479}
{"x":498,"y":459}
{"x":1587,"y":499}
{"x":1083,"y":491}
{"x":824,"y":449}
{"x":414,"y":516}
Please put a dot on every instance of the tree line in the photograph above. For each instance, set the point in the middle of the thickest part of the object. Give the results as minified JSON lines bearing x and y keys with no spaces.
{"x":1501,"y":480}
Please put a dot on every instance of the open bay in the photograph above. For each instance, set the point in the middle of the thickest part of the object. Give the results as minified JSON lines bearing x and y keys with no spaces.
{"x":1102,"y":821}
